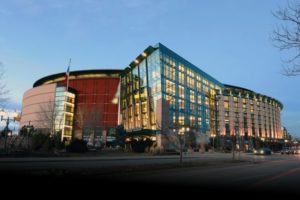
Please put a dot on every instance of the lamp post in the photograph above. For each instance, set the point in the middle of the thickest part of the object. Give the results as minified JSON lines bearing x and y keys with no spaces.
{"x":181,"y":133}
{"x":29,"y":128}
{"x":285,"y":143}
{"x":217,"y":134}
{"x":213,"y":142}
{"x":6,"y":129}
{"x":263,"y":141}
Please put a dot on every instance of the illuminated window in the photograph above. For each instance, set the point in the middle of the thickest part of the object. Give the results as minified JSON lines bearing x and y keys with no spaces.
{"x":192,"y":96}
{"x":170,"y":87}
{"x":226,"y":105}
{"x":207,"y":122}
{"x":181,"y":104}
{"x":181,"y":92}
{"x":199,"y":86}
{"x":206,"y":101}
{"x":174,"y":118}
{"x":172,"y":103}
{"x":190,"y":82}
{"x":181,"y":67}
{"x":199,"y":121}
{"x":190,"y":73}
{"x":199,"y":100}
{"x":137,"y":110}
{"x":181,"y":119}
{"x":144,"y":107}
{"x":144,"y":122}
{"x":206,"y":89}
{"x":169,"y":98}
{"x":192,"y":121}
{"x":169,"y":72}
{"x":181,"y":78}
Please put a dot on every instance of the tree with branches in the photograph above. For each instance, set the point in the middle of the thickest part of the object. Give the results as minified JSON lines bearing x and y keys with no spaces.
{"x":50,"y":118}
{"x":286,"y":36}
{"x":3,"y":89}
{"x":89,"y":117}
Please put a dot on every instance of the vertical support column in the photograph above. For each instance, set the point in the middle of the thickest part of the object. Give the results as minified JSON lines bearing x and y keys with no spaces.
{"x":148,"y":96}
{"x":104,"y":134}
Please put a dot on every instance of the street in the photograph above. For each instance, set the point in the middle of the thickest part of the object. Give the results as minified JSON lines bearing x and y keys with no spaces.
{"x":280,"y":173}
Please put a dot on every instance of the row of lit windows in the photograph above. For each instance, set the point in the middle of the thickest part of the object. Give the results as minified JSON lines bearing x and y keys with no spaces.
{"x":171,"y":90}
{"x":191,"y":75}
{"x":192,"y":120}
{"x":258,"y":100}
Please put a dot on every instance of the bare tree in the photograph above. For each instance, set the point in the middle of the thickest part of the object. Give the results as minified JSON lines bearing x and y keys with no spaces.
{"x":91,"y":117}
{"x":286,"y":36}
{"x":3,"y":90}
{"x":50,"y":118}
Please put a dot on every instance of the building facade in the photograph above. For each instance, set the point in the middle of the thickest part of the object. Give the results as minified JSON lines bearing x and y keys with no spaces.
{"x":161,"y":93}
{"x":89,"y":109}
{"x":157,"y":95}
{"x":251,"y":117}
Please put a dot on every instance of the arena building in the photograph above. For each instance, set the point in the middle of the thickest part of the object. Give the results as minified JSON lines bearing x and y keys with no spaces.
{"x":157,"y":95}
{"x":88,"y":107}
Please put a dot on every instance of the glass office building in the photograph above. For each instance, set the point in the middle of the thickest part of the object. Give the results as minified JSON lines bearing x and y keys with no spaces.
{"x":162,"y":92}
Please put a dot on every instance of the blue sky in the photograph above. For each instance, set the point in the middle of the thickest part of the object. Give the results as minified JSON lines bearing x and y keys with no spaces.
{"x":229,"y":40}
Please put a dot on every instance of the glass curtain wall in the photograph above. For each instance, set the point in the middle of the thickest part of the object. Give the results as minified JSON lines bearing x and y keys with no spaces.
{"x":161,"y":85}
{"x":140,"y":90}
{"x":64,"y":112}
{"x":190,"y":94}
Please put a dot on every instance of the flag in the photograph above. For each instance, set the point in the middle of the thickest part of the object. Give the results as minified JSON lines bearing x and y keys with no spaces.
{"x":68,"y":74}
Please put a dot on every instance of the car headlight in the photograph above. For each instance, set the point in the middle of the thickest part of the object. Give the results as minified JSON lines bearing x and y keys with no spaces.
{"x":261,"y":151}
{"x":255,"y":151}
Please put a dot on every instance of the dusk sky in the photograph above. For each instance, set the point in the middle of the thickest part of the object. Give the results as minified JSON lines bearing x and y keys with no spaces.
{"x":230,"y":40}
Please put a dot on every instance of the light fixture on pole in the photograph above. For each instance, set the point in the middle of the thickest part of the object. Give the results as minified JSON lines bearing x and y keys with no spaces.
{"x":29,"y":128}
{"x":181,"y":133}
{"x":6,"y":129}
{"x":213,"y":141}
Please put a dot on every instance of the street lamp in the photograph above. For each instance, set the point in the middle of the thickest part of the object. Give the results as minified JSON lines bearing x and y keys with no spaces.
{"x":213,"y":141}
{"x":29,"y":129}
{"x":263,"y":141}
{"x":6,"y":129}
{"x":181,"y":133}
{"x":285,"y":143}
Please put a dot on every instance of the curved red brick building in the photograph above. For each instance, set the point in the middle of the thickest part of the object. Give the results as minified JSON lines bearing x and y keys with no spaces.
{"x":88,"y":108}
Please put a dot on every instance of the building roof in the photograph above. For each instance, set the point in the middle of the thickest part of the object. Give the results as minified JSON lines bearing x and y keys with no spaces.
{"x":93,"y":73}
{"x":232,"y":87}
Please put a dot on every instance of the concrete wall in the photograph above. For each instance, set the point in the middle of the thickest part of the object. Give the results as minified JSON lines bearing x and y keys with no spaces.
{"x":36,"y":101}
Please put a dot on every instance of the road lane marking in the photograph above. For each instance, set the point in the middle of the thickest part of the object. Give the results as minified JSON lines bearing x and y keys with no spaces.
{"x":272,"y":178}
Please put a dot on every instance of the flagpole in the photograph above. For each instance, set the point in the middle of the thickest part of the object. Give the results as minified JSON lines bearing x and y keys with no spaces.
{"x":67,"y":90}
{"x":68,"y":74}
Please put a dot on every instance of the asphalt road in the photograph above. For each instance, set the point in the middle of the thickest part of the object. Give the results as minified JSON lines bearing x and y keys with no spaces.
{"x":277,"y":174}
{"x":214,"y":171}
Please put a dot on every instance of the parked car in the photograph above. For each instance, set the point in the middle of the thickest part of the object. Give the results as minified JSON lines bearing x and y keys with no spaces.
{"x":296,"y":151}
{"x":286,"y":151}
{"x":262,"y":151}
